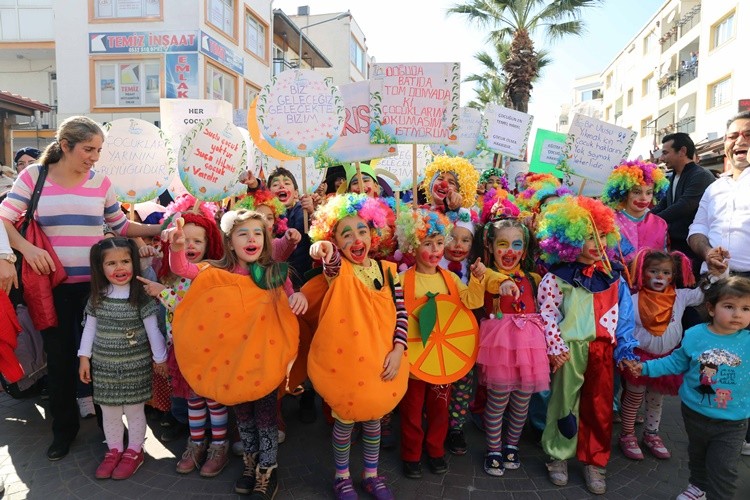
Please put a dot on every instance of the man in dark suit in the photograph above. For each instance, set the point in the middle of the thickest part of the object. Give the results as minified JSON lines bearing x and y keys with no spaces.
{"x":686,"y":187}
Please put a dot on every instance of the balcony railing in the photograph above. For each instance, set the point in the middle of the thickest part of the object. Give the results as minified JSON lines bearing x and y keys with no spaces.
{"x":689,"y":20}
{"x":686,"y":125}
{"x":282,"y":64}
{"x":688,"y":74}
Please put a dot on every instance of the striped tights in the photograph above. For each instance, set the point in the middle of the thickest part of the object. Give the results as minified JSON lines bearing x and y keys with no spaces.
{"x":517,"y":404}
{"x":342,"y":443}
{"x":197,"y":419}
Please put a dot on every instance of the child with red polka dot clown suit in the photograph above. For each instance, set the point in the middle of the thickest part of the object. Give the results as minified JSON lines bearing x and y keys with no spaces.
{"x":357,"y":361}
{"x":443,"y":335}
{"x":588,"y":317}
{"x":266,"y":203}
{"x":450,"y":183}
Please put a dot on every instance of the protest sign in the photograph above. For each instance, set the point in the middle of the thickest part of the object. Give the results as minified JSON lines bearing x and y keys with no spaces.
{"x":136,"y":158}
{"x":414,"y":103}
{"x":548,"y":148}
{"x":467,"y":144}
{"x":211,"y":158}
{"x":506,"y":131}
{"x":398,"y":170}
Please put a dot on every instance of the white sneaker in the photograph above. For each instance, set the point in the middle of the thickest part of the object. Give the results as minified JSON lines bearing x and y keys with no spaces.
{"x":692,"y":493}
{"x":558,"y":472}
{"x":746,"y":449}
{"x":86,"y":407}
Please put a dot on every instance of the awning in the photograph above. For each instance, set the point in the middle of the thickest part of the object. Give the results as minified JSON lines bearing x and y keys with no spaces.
{"x":289,"y":31}
{"x":20,"y":105}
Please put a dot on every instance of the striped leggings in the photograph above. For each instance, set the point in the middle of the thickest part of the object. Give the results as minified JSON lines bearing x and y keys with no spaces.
{"x":517,"y":404}
{"x":342,"y":444}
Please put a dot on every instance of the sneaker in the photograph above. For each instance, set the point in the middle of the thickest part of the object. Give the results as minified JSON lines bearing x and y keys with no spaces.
{"x":86,"y":407}
{"x":456,"y":442}
{"x":376,"y":487}
{"x":511,"y":460}
{"x":493,"y":464}
{"x":245,"y":484}
{"x":192,"y":457}
{"x":266,"y":483}
{"x":656,"y":446}
{"x":238,"y":449}
{"x":558,"y":472}
{"x":630,"y":448}
{"x":343,"y":488}
{"x":746,"y":449}
{"x":595,"y":479}
{"x":282,"y":436}
{"x":387,"y":436}
{"x":692,"y":492}
{"x":130,"y":462}
{"x":218,"y":458}
{"x":111,"y":459}
{"x":413,"y":470}
{"x":437,"y":465}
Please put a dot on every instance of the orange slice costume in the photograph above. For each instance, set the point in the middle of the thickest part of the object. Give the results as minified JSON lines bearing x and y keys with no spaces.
{"x":234,"y":341}
{"x":452,"y":348}
{"x":354,"y":335}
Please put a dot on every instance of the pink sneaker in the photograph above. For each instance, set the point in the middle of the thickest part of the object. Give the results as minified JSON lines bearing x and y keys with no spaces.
{"x":130,"y":462}
{"x":111,"y":459}
{"x":656,"y":446}
{"x":630,"y":448}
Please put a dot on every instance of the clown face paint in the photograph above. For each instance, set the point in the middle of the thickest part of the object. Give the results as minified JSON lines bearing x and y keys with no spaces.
{"x":591,"y":252}
{"x":443,"y":185}
{"x":658,"y":275}
{"x":117,"y":265}
{"x":267,"y":213}
{"x":508,"y":248}
{"x":353,"y":239}
{"x":282,"y":188}
{"x":429,"y":253}
{"x":459,"y":245}
{"x":195,"y":243}
{"x":371,"y":187}
{"x":247,"y":240}
{"x":638,"y":200}
{"x":493,"y":182}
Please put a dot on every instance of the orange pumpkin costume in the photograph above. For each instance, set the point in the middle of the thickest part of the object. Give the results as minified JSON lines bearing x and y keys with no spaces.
{"x":354,"y":336}
{"x":234,"y":341}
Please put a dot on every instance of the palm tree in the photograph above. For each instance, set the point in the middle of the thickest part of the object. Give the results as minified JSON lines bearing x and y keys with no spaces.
{"x":517,"y":20}
{"x":491,"y":83}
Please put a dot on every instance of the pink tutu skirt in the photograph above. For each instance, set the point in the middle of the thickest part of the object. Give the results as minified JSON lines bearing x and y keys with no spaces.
{"x":668,"y":384}
{"x":513,"y":353}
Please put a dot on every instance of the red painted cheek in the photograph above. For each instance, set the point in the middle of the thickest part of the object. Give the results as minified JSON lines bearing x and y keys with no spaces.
{"x":425,"y":255}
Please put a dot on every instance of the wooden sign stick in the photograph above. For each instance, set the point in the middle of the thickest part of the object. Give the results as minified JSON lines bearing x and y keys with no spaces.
{"x":131,"y":212}
{"x":415,"y":188}
{"x":304,"y":190}
{"x":580,"y":189}
{"x":196,"y":207}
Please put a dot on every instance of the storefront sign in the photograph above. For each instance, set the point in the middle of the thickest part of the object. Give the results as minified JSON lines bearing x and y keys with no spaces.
{"x":143,"y":42}
{"x":221,"y":53}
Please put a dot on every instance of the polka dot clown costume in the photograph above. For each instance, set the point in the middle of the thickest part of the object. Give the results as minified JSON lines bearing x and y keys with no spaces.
{"x":632,"y":189}
{"x":588,"y":318}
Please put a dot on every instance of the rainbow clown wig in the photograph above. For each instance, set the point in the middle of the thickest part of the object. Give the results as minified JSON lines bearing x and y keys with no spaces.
{"x":252,"y":201}
{"x":413,"y":226}
{"x":466,"y":176}
{"x":630,"y":174}
{"x":566,"y":225}
{"x":372,"y":211}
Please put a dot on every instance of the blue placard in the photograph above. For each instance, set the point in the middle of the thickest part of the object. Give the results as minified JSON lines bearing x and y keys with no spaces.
{"x":221,"y":53}
{"x":143,"y":42}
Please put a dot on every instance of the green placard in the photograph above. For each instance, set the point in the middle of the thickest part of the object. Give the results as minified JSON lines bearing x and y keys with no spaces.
{"x":548,"y":146}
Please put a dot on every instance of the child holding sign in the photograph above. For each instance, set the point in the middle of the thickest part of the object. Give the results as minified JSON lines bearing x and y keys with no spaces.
{"x":422,"y":233}
{"x":588,"y":318}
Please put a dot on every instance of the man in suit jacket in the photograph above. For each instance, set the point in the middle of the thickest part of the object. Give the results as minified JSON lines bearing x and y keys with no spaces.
{"x":686,"y":187}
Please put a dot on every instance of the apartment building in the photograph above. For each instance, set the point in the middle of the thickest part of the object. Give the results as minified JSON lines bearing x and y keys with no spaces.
{"x":586,"y":100}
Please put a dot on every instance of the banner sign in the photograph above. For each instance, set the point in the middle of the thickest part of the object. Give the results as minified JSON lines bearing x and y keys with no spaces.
{"x":221,"y":53}
{"x":548,"y":148}
{"x":182,"y":76}
{"x":414,"y":103}
{"x":143,"y":42}
{"x":506,"y":131}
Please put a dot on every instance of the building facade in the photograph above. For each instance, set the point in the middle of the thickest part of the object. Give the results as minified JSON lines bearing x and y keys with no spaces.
{"x":587,"y":100}
{"x":680,"y":73}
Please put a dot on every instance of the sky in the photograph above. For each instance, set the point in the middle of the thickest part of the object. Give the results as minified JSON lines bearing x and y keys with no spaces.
{"x":421,"y":31}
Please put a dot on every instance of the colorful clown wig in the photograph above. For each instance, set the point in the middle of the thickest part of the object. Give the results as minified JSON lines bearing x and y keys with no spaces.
{"x":413,"y":226}
{"x":371,"y":210}
{"x":566,"y":225}
{"x":490,"y":199}
{"x":466,"y":176}
{"x":252,"y":201}
{"x":533,"y":198}
{"x":630,"y":174}
{"x":214,"y":245}
{"x":184,"y":203}
{"x":497,"y":172}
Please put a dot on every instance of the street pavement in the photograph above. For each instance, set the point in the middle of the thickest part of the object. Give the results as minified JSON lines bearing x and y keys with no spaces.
{"x":306,"y":466}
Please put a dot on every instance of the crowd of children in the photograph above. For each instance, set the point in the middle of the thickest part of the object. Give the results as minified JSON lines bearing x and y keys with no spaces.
{"x":474,"y":301}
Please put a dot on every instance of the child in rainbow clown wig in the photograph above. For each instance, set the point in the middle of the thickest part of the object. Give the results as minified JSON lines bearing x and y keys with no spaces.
{"x":285,"y":238}
{"x":588,"y":317}
{"x":631,"y":190}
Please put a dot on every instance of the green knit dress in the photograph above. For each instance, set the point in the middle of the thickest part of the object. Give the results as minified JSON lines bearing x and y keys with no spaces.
{"x":121,"y":356}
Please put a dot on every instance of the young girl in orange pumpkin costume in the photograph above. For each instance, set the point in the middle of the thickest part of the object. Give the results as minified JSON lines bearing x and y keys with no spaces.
{"x":356,"y":360}
{"x":236,"y":335}
{"x":443,"y":335}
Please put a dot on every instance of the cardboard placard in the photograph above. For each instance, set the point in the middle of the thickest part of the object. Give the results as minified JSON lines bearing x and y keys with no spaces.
{"x":354,"y":142}
{"x":398,"y":168}
{"x":300,"y":113}
{"x":211,"y":158}
{"x":548,"y":148}
{"x":594,"y":148}
{"x":136,"y":156}
{"x":468,"y":144}
{"x":506,"y":131}
{"x":414,"y":103}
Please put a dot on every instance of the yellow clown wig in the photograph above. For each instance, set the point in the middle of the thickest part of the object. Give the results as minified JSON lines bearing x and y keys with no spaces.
{"x":466,"y":176}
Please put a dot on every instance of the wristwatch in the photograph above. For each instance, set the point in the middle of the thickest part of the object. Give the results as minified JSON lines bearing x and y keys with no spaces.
{"x":10,"y":257}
